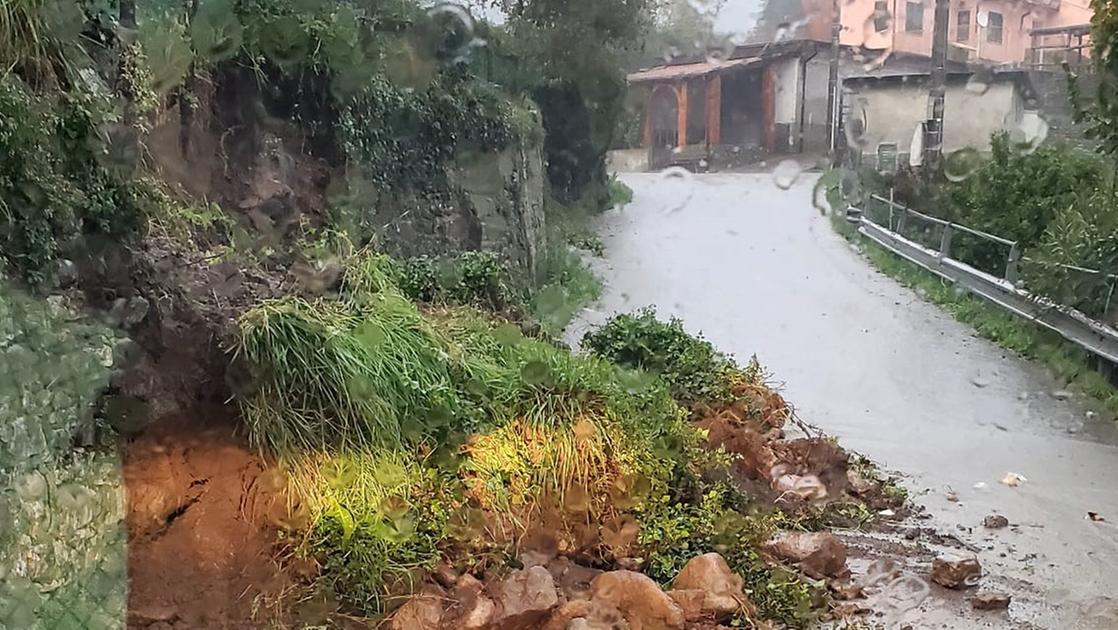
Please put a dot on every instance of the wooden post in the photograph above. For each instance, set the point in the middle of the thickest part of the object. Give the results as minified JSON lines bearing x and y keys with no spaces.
{"x":681,"y":115}
{"x":646,"y":126}
{"x":714,"y":110}
{"x":768,"y":108}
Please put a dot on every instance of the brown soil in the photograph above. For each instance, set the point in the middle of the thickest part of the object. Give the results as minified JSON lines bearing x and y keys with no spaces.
{"x":202,"y":515}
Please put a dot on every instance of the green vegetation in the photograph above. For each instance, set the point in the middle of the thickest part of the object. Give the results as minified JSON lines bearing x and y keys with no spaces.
{"x":690,"y":365}
{"x":1068,"y":362}
{"x":415,"y":434}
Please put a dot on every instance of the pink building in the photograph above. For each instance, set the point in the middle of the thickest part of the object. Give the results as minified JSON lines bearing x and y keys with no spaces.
{"x":979,"y":30}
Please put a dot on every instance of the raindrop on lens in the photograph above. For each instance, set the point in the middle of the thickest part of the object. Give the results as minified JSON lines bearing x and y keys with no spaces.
{"x":786,"y":173}
{"x":961,"y":164}
{"x":979,"y":81}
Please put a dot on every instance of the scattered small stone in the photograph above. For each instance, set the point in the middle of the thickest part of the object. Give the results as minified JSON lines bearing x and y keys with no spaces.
{"x":1095,"y":517}
{"x":995,"y":521}
{"x":951,"y":496}
{"x":990,"y":600}
{"x":446,"y":575}
{"x":1013,"y":479}
{"x":1061,"y":394}
{"x":846,"y":590}
{"x":912,"y":533}
{"x":956,"y":569}
{"x":859,"y":485}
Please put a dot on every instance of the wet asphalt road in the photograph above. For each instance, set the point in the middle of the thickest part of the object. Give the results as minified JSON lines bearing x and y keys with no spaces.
{"x":759,"y":271}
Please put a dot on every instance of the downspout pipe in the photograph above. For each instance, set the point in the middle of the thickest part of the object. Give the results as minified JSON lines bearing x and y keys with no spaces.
{"x":803,"y":94}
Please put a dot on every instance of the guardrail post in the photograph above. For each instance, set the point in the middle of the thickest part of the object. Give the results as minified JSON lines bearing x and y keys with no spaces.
{"x":945,"y":241}
{"x":1011,"y":264}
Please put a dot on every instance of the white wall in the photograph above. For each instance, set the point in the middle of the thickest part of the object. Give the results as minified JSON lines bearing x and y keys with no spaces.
{"x":787,"y":83}
{"x":894,"y":109}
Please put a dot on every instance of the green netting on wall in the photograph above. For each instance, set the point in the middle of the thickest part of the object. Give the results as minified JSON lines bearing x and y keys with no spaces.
{"x":62,"y":533}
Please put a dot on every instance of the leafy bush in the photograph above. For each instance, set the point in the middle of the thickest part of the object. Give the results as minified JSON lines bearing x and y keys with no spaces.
{"x":406,"y":138}
{"x":619,"y":193}
{"x":693,"y":369}
{"x":52,"y":184}
{"x":470,"y":278}
{"x":1083,"y":235}
{"x":1016,"y":195}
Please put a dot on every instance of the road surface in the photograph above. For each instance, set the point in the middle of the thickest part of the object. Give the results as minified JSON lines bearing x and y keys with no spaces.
{"x":757,"y":270}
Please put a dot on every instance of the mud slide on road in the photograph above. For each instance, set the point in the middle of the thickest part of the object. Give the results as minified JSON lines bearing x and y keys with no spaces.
{"x":756,"y":269}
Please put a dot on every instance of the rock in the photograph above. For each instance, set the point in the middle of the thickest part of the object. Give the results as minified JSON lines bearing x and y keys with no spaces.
{"x":630,"y":564}
{"x":1062,"y":394}
{"x":423,"y":611}
{"x":722,"y":587}
{"x":845,"y":590}
{"x":476,"y":614}
{"x":524,"y":599}
{"x":689,"y":601}
{"x":573,"y":579}
{"x":956,"y":569}
{"x":467,"y":584}
{"x":995,"y":521}
{"x":65,"y":274}
{"x":128,"y":313}
{"x":819,"y":553}
{"x":587,"y":615}
{"x":638,"y":598}
{"x":805,"y":488}
{"x":530,"y":559}
{"x":990,"y":600}
{"x":849,"y":609}
{"x":859,"y":485}
{"x":445,"y":575}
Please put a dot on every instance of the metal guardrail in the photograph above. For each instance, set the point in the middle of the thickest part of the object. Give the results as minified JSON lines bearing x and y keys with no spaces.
{"x":1092,"y":335}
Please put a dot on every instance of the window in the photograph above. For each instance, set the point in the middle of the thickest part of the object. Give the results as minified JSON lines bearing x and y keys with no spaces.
{"x":881,"y":16}
{"x":887,"y":157}
{"x":914,"y":17}
{"x":962,"y":26}
{"x":994,"y":29}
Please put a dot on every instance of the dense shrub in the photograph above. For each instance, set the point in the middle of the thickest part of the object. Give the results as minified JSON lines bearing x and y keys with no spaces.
{"x":690,"y":365}
{"x":1083,"y":235}
{"x":1016,"y":195}
{"x":53,"y":181}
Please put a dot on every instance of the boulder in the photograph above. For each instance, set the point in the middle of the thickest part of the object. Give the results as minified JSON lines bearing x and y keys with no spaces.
{"x":722,"y":587}
{"x":956,"y":569}
{"x":524,"y":599}
{"x":689,"y":601}
{"x":990,"y":600}
{"x":995,"y":521}
{"x":423,"y":611}
{"x":820,"y":554}
{"x":639,"y":599}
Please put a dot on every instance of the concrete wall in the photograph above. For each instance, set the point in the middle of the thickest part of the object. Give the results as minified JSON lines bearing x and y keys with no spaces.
{"x":627,"y":160}
{"x":494,"y":201}
{"x":894,"y":109}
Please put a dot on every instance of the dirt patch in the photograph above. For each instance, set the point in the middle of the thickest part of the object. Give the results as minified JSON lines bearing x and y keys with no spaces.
{"x":202,"y":528}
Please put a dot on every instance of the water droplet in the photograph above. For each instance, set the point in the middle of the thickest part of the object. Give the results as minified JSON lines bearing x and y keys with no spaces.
{"x":456,"y":31}
{"x":961,"y":164}
{"x":678,"y":190}
{"x":671,"y":53}
{"x":1030,"y":134}
{"x":535,"y":373}
{"x":979,"y":81}
{"x":786,"y":173}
